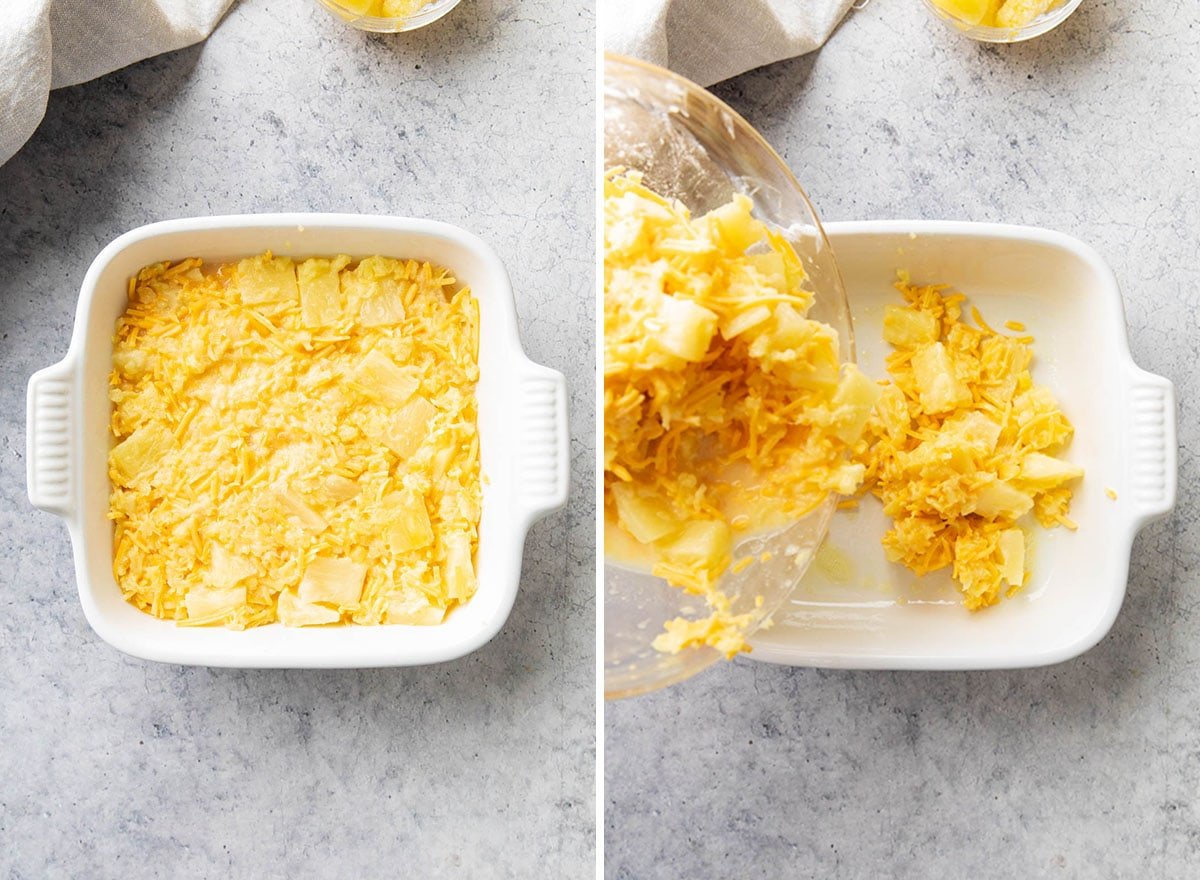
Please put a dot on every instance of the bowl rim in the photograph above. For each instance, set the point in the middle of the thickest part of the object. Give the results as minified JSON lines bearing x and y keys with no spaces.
{"x":516,"y":512}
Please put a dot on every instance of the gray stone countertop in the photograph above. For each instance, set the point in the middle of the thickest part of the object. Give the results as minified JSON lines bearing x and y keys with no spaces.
{"x":114,"y":767}
{"x":1086,"y":769}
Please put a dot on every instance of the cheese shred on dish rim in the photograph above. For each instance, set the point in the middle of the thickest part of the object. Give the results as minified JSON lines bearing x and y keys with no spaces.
{"x":726,"y":409}
{"x":295,"y":442}
{"x":963,"y":445}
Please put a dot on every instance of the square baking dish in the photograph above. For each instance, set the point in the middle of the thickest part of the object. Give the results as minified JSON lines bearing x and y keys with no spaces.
{"x":522,"y":436}
{"x":853,"y":608}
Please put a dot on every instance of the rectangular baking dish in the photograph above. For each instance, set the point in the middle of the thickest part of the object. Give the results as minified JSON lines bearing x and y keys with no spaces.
{"x":853,"y":608}
{"x":522,"y":433}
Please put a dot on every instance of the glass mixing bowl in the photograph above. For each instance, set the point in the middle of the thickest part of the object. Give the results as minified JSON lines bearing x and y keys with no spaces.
{"x":427,"y":14}
{"x":1047,"y":21}
{"x":692,"y":147}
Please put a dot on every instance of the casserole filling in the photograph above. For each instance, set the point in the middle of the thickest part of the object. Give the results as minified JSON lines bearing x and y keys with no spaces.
{"x":296,"y":442}
{"x":963,"y":445}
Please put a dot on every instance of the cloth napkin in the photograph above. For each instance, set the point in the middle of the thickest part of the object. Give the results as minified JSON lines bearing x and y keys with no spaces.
{"x":711,"y":40}
{"x":46,"y":44}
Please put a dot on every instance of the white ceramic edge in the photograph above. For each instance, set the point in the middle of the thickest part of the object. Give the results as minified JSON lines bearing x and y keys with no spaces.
{"x":553,"y":436}
{"x":1108,"y":297}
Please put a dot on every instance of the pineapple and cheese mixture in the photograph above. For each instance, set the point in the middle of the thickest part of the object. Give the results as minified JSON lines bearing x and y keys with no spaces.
{"x":295,"y":442}
{"x":726,"y":409}
{"x":962,"y":445}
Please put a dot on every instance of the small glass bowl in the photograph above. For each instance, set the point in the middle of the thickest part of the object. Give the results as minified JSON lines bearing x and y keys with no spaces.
{"x":427,"y":14}
{"x":692,"y":147}
{"x":1047,"y":21}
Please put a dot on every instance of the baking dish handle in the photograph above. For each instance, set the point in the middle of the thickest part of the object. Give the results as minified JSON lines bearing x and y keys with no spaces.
{"x":544,"y":455}
{"x":1153,"y":445}
{"x":48,"y":469}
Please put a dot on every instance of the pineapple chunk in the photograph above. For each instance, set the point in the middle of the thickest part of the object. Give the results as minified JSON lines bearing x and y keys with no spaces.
{"x":337,"y":582}
{"x":413,"y":609}
{"x":409,"y":527}
{"x":1018,"y":13}
{"x":401,"y":8}
{"x":458,"y":569}
{"x":789,"y":329}
{"x":846,"y":478}
{"x":441,"y":459}
{"x":265,"y":278}
{"x":687,"y":328}
{"x":908,"y":328}
{"x":646,"y":519}
{"x":733,"y":226}
{"x":294,"y":612}
{"x":703,"y":545}
{"x":139,"y":453}
{"x":973,"y":429}
{"x":1012,"y":554}
{"x":294,"y":506}
{"x":1002,"y":499}
{"x":939,"y":389}
{"x":892,"y":409}
{"x":756,"y":276}
{"x":852,"y":404}
{"x":743,"y":321}
{"x":970,"y":12}
{"x":228,"y":569}
{"x":132,"y":364}
{"x":771,"y":268}
{"x":320,"y":291}
{"x":336,"y":488}
{"x":805,"y":351}
{"x":379,"y":377}
{"x":1039,"y":471}
{"x":385,"y":307}
{"x":410,"y":427}
{"x":204,"y":603}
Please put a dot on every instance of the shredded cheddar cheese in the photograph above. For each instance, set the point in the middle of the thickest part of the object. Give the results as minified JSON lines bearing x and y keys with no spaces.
{"x":962,"y":445}
{"x":726,"y":409}
{"x":295,"y":442}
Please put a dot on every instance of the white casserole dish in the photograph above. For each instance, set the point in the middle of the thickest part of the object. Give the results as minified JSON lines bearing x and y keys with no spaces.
{"x":522,"y":433}
{"x":861,"y":611}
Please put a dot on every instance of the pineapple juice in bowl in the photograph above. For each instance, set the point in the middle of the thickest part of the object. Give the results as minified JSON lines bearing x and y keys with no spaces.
{"x":687,"y":147}
{"x":1002,"y":21}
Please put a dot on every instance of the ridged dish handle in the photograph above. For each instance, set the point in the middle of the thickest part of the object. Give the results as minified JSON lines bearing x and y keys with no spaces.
{"x":1153,"y":446}
{"x":48,"y":470}
{"x":544,"y":455}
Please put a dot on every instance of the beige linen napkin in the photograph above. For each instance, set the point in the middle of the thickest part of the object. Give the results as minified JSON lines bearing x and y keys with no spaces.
{"x":46,"y":44}
{"x":711,"y":40}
